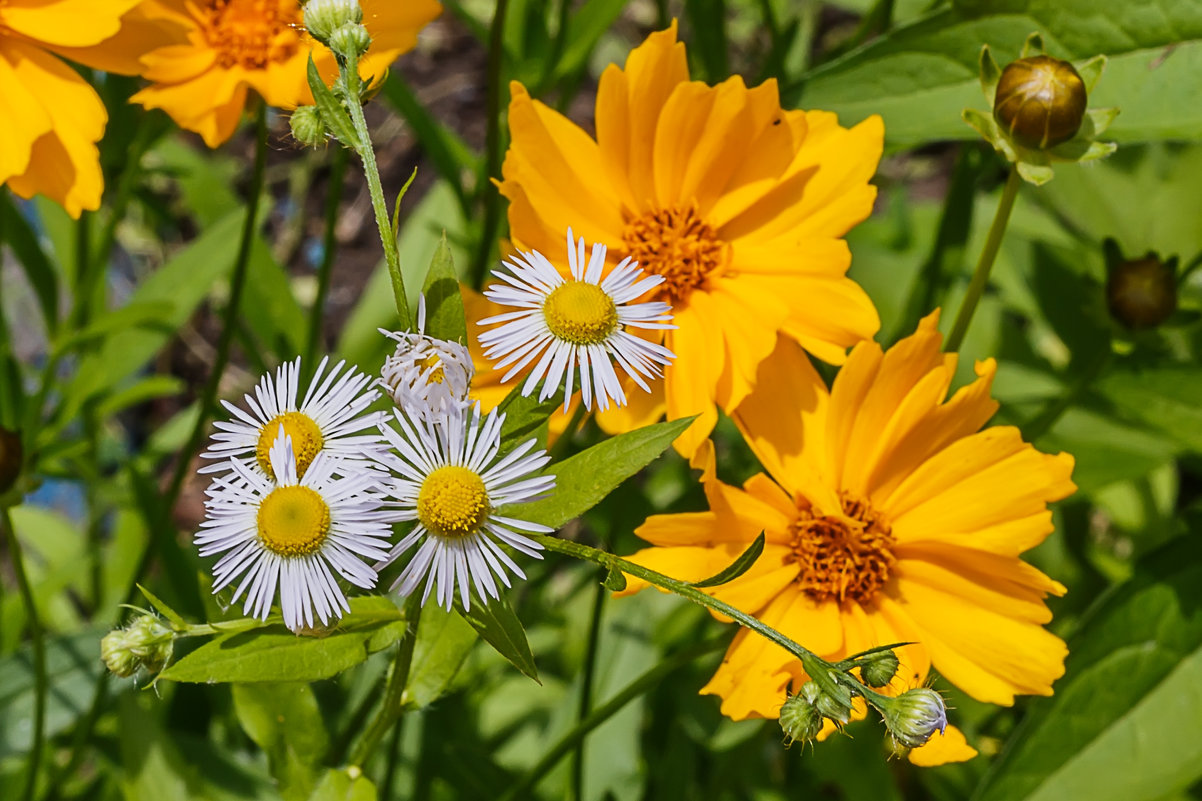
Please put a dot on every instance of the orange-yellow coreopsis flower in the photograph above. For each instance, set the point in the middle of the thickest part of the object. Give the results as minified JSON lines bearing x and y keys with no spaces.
{"x":53,"y":118}
{"x":739,"y":204}
{"x":889,"y":516}
{"x":228,"y":47}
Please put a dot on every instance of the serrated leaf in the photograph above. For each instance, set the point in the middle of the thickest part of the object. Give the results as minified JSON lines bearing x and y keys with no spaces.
{"x":738,"y":567}
{"x":445,"y":318}
{"x":444,"y":640}
{"x":333,"y":114}
{"x":284,"y":720}
{"x":583,"y":480}
{"x":276,"y":654}
{"x":498,"y":625}
{"x":1126,"y":721}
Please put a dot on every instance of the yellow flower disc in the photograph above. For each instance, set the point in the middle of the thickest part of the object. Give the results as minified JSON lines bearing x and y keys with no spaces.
{"x":453,"y":502}
{"x":842,"y":556}
{"x":293,"y":521}
{"x":436,"y":377}
{"x":252,"y":33}
{"x":306,"y":440}
{"x":677,"y":244}
{"x":580,"y":313}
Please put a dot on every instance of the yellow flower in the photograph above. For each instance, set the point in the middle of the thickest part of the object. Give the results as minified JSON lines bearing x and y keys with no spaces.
{"x":739,"y":204}
{"x":52,"y":117}
{"x":225,"y":48}
{"x":889,"y":516}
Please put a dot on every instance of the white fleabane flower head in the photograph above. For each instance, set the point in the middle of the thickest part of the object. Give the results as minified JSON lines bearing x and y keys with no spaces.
{"x":576,"y":324}
{"x":450,"y":480}
{"x":295,"y":533}
{"x":426,"y":377}
{"x":331,"y":418}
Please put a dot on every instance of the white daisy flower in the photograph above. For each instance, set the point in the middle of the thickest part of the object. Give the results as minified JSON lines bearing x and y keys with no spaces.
{"x":582,"y":321}
{"x":329,"y":419}
{"x":449,"y":479}
{"x":295,"y":532}
{"x":426,"y":377}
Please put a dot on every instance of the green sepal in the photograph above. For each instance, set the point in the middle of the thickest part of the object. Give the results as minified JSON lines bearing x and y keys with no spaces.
{"x":1033,"y":45}
{"x":1090,"y":71}
{"x":991,"y":73}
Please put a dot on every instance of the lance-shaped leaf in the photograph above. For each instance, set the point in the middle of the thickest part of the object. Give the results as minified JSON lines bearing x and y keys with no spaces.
{"x":738,"y":567}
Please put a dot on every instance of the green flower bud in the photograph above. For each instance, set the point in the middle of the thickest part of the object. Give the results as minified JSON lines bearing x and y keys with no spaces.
{"x":878,"y":669}
{"x":1040,"y":101}
{"x":914,"y":716}
{"x":145,"y":643}
{"x":11,"y":456}
{"x":350,"y":39}
{"x":116,"y":653}
{"x":323,"y":17}
{"x":1142,"y":293}
{"x":834,"y":704}
{"x":308,"y":127}
{"x":799,"y":718}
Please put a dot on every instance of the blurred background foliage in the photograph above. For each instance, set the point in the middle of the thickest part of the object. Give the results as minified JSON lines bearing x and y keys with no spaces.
{"x":110,"y":375}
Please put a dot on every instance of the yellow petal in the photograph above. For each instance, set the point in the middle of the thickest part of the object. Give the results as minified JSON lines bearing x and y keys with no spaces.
{"x":71,"y":23}
{"x":211,"y":104}
{"x":26,"y":120}
{"x":839,"y":196}
{"x":690,"y":379}
{"x":942,"y":748}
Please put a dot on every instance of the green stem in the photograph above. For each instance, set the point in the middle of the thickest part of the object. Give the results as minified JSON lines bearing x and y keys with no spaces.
{"x":208,"y":397}
{"x":126,"y":183}
{"x":329,"y":250}
{"x":586,"y":688}
{"x":393,"y":707}
{"x":392,"y":257}
{"x":492,"y":143}
{"x":41,"y":681}
{"x":636,"y":688}
{"x":980,"y":277}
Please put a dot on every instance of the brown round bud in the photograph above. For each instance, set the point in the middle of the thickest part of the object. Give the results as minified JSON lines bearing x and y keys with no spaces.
{"x":1142,"y":293}
{"x":1040,"y":101}
{"x":11,"y":456}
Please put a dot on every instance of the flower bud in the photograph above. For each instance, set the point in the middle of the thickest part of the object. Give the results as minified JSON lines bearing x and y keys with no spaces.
{"x":144,"y":643}
{"x":914,"y":716}
{"x":350,"y":39}
{"x":323,"y":17}
{"x":1142,"y":293}
{"x":1040,"y":101}
{"x":11,"y":455}
{"x":878,"y":669}
{"x":308,"y":127}
{"x":834,"y":704}
{"x":799,"y":719}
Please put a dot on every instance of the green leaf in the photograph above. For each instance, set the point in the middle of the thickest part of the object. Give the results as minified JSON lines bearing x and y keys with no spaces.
{"x":445,"y":318}
{"x":525,"y":417}
{"x":275,"y":654}
{"x":284,"y":720}
{"x":451,"y":155}
{"x":18,"y":234}
{"x":153,"y":768}
{"x":1164,"y":399}
{"x":738,"y":567}
{"x":337,"y":785}
{"x":498,"y":625}
{"x":615,"y":580}
{"x":72,"y":667}
{"x":333,"y":114}
{"x":920,"y":76}
{"x":444,"y":640}
{"x":583,"y":480}
{"x":277,"y":319}
{"x":1126,"y":721}
{"x":162,"y":608}
{"x":147,"y":389}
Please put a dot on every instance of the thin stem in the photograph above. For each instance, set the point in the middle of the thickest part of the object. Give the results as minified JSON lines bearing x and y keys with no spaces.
{"x":329,"y":251}
{"x":392,"y":257}
{"x":586,"y":687}
{"x":126,"y":183}
{"x":492,"y":142}
{"x":208,"y":397}
{"x":392,"y":708}
{"x":41,"y":682}
{"x":980,"y":277}
{"x":636,"y":688}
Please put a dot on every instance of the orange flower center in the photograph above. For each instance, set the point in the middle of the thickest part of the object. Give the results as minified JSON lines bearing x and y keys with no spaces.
{"x":251,"y":33}
{"x":677,"y":244}
{"x":842,"y":557}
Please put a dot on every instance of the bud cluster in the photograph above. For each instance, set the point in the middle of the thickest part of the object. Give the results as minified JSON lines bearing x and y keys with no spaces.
{"x":338,"y":24}
{"x":146,"y":643}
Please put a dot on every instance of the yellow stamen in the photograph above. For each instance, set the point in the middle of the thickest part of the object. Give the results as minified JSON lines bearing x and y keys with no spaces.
{"x":580,"y":313}
{"x":677,"y":244}
{"x":435,"y":377}
{"x":251,"y":33}
{"x":453,"y":502}
{"x":306,"y":440}
{"x":842,"y":556}
{"x":293,"y":521}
